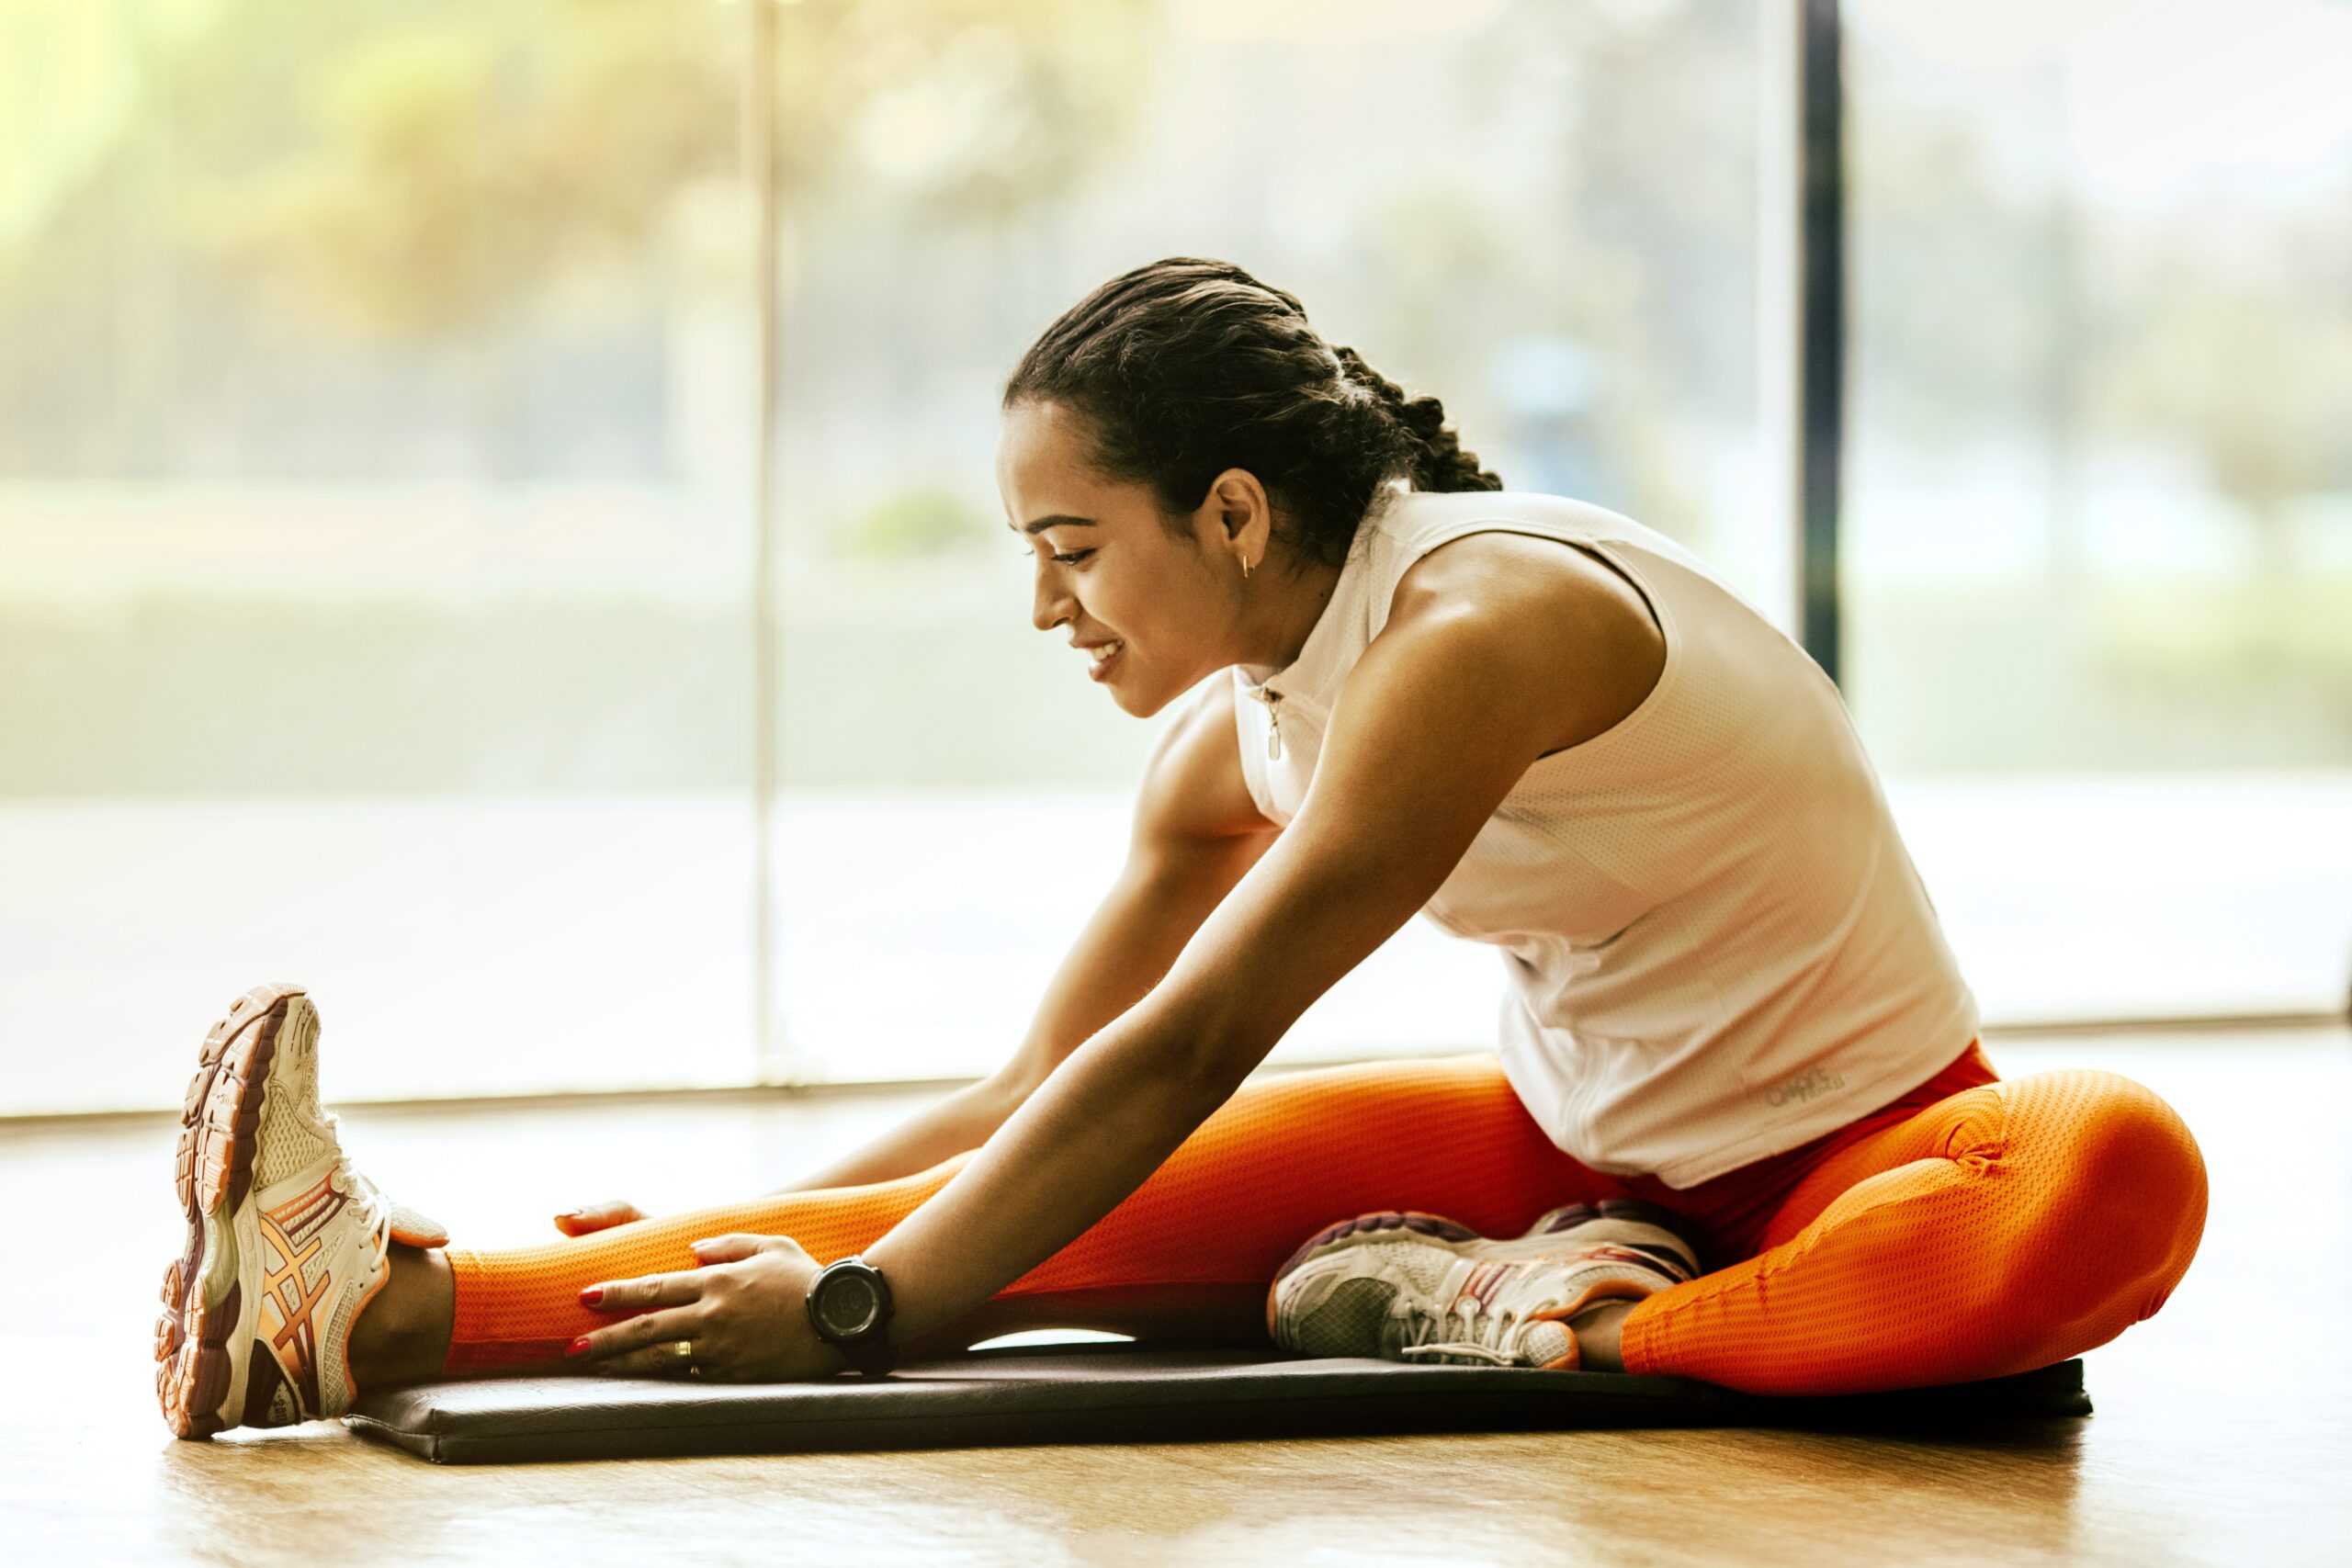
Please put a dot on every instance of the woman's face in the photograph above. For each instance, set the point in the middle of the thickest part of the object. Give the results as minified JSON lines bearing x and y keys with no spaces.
{"x":1107,"y":572}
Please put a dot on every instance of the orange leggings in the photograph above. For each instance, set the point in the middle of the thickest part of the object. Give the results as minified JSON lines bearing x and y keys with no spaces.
{"x":1973,"y":1227}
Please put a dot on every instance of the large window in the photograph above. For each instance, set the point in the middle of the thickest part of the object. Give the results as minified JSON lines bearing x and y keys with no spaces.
{"x":373,"y":428}
{"x":2099,"y":499}
{"x":378,"y":524}
{"x":382,"y":423}
{"x":1545,"y":215}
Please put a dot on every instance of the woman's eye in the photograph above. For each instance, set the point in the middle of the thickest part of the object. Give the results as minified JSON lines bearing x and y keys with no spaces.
{"x":1074,"y":556}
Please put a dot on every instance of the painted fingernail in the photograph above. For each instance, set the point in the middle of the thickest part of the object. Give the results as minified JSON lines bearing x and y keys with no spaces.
{"x":578,"y":1347}
{"x":592,"y":1294}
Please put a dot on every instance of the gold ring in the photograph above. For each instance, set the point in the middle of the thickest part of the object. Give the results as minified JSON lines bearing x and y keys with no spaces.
{"x":686,"y":1349}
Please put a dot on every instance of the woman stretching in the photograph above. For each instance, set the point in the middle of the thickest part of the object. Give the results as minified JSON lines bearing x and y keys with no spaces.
{"x":1738,"y":1126}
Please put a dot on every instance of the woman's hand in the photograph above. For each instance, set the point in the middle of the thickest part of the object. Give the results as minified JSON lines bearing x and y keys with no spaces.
{"x":743,"y":1311}
{"x":594,"y":1217}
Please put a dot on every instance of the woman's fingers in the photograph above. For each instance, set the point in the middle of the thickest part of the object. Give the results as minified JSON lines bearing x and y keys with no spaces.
{"x":735,"y":1249}
{"x":643,"y":1332}
{"x":747,"y":1324}
{"x":598,"y":1217}
{"x":645,"y":1292}
{"x":661,"y":1360}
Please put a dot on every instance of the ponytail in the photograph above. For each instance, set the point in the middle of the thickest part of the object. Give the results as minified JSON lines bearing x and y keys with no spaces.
{"x":1440,"y":463}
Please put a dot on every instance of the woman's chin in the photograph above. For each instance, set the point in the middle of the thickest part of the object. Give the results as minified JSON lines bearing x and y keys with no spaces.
{"x":1119,"y":689}
{"x":1140,"y":702}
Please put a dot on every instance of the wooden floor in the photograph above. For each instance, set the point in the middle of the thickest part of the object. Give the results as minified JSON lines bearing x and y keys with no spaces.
{"x":2223,"y":1431}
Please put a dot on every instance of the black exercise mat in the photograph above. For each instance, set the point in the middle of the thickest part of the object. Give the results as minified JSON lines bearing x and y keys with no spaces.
{"x":1092,"y":1394}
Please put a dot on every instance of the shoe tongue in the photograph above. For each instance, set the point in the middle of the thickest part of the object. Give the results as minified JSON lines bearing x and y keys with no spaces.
{"x":1545,"y":1341}
{"x":413,"y":1229}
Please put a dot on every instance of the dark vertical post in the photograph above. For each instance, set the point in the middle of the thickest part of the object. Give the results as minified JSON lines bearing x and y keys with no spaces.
{"x":1821,"y":330}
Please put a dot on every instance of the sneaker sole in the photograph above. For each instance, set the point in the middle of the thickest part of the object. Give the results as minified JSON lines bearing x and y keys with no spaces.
{"x":1618,"y":1227}
{"x":212,"y":1175}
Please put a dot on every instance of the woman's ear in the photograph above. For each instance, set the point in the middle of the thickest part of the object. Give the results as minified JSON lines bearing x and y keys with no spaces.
{"x":1241,"y":514}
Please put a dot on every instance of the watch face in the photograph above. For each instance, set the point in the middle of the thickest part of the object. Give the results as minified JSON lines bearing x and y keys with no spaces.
{"x":848,"y":1305}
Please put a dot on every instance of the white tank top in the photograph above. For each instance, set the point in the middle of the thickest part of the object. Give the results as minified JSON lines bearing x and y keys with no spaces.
{"x":1717,"y":947}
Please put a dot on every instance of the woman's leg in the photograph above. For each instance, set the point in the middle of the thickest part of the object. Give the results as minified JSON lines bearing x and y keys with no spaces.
{"x":2001,"y":1229}
{"x":1195,"y":1246}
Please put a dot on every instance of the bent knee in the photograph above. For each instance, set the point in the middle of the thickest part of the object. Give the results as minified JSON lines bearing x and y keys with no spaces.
{"x":2121,"y":1182}
{"x":2130,"y":1149}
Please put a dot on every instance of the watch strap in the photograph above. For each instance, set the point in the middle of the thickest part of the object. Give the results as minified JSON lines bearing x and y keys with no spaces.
{"x":871,"y":1354}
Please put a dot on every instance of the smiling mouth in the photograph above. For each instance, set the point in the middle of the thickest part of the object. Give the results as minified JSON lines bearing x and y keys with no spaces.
{"x":1099,"y":657}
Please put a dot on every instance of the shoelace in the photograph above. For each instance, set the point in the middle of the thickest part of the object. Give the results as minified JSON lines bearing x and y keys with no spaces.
{"x":1482,"y":1333}
{"x":364,"y":1192}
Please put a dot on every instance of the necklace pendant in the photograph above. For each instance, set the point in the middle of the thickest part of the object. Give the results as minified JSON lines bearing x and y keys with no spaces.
{"x":1273,"y":726}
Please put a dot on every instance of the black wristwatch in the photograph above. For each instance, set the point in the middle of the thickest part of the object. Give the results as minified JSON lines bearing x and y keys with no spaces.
{"x":848,"y":1306}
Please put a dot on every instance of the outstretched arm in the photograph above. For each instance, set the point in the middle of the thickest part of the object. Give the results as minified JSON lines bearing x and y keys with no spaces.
{"x":1434,"y":727}
{"x":1439,"y":717}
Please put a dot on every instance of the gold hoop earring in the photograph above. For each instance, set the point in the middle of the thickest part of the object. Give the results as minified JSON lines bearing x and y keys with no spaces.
{"x":1245,"y":571}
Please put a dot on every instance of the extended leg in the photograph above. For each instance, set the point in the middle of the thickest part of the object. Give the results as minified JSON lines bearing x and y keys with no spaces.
{"x":2006,"y":1227}
{"x":1195,"y":1246}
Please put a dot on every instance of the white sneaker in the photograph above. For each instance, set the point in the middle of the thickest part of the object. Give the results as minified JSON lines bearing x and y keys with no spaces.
{"x":1629,"y":1222}
{"x":1411,"y":1287}
{"x":286,"y":1242}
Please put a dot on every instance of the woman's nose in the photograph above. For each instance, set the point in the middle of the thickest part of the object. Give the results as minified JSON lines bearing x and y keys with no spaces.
{"x":1049,"y":610}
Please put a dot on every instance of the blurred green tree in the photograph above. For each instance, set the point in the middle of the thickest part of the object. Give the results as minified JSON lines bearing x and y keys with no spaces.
{"x":420,"y":168}
{"x":912,"y":523}
{"x":452,"y":158}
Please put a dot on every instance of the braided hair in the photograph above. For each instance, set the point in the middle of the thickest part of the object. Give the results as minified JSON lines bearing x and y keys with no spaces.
{"x":1186,"y":368}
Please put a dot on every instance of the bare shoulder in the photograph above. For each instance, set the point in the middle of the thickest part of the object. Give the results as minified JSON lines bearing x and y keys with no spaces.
{"x":1192,"y":787}
{"x":1595,"y":640}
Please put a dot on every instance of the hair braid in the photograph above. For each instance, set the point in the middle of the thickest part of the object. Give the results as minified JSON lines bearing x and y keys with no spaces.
{"x":1443,"y":464}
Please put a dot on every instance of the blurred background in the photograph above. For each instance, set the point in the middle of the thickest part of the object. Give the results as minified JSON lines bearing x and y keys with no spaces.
{"x":382,"y":433}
